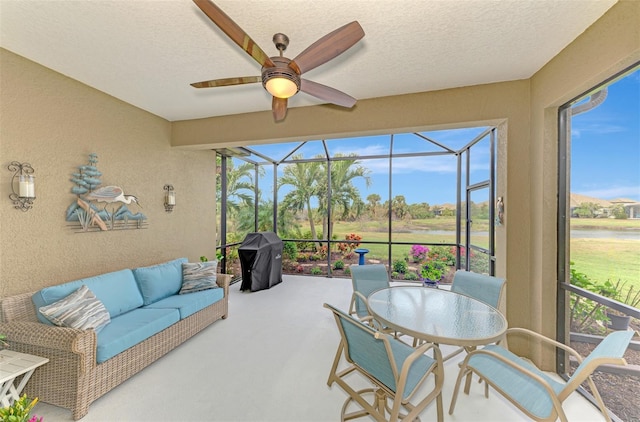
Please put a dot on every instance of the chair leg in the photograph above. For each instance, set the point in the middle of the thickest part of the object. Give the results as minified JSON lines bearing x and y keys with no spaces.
{"x":372,"y":409}
{"x":467,"y":383}
{"x":381,"y":401}
{"x":439,"y":407}
{"x":463,"y":372}
{"x":334,"y":367}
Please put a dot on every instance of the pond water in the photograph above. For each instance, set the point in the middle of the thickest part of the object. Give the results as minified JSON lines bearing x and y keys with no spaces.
{"x":575,"y":234}
{"x":606,"y":234}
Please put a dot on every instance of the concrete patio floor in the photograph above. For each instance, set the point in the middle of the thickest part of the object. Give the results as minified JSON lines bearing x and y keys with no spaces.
{"x":269,"y":361}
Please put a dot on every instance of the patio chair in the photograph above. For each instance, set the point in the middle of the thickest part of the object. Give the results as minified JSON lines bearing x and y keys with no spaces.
{"x":534,"y":392}
{"x":365,"y":280}
{"x":485,"y":288}
{"x":395,"y":369}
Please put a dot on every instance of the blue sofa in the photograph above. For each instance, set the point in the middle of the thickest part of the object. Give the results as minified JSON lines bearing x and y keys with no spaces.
{"x":148,"y":318}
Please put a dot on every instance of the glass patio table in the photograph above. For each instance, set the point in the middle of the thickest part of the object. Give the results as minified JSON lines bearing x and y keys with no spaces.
{"x":437,"y":316}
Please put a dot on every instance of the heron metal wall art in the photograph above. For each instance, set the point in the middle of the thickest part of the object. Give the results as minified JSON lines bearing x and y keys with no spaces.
{"x":87,"y":182}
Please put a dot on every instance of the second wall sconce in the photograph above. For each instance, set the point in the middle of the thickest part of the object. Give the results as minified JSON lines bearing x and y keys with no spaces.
{"x":169,"y":198}
{"x":25,"y":183}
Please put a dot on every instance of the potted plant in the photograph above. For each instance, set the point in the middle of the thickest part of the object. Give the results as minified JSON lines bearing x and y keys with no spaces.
{"x":619,"y":320}
{"x":20,"y":410}
{"x":432,"y":273}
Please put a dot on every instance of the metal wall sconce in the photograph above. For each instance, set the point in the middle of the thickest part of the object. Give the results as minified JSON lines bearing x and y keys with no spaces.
{"x":169,"y":198}
{"x":23,"y":185}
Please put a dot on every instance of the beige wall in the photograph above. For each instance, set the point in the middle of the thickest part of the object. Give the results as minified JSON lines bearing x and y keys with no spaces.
{"x":53,"y":123}
{"x":609,"y":46}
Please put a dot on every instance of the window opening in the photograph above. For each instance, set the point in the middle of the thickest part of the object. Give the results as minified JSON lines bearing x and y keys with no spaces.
{"x":598,"y":230}
{"x":386,"y":193}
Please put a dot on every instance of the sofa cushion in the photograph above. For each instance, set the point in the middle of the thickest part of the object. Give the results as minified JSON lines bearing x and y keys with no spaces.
{"x":129,"y":329}
{"x":81,"y":309}
{"x":159,"y":281}
{"x":198,"y":276}
{"x":191,"y":303}
{"x":117,"y":291}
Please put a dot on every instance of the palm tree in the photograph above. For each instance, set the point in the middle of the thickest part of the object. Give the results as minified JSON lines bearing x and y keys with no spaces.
{"x":399,"y":207}
{"x":304,"y":178}
{"x":240,"y":188}
{"x":345,"y":198}
{"x":373,"y":204}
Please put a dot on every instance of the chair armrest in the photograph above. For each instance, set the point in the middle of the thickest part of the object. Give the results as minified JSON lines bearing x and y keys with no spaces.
{"x":51,"y":341}
{"x":544,"y":339}
{"x":352,"y":304}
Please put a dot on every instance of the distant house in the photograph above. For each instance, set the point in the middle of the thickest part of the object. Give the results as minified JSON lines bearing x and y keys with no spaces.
{"x":444,"y":209}
{"x":631,"y":207}
{"x":605,"y":207}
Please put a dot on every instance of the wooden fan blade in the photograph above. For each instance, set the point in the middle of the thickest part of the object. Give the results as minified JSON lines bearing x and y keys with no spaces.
{"x":233,"y":31}
{"x":327,"y":93}
{"x":327,"y":47}
{"x":227,"y":82}
{"x":279,"y":108}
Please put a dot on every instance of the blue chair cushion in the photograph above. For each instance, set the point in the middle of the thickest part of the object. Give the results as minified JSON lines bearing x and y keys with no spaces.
{"x":371,"y":355}
{"x":117,"y":291}
{"x":401,"y":352}
{"x":159,"y":281}
{"x":366,"y":279}
{"x":530,"y":394}
{"x":189,"y":304}
{"x":483,"y":287}
{"x":131,"y":328}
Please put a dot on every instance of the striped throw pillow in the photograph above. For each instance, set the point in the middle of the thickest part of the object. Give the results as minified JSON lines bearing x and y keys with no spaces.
{"x":81,"y":309}
{"x":198,"y":276}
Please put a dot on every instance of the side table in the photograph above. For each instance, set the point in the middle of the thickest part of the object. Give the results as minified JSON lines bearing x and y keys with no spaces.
{"x":12,"y":365}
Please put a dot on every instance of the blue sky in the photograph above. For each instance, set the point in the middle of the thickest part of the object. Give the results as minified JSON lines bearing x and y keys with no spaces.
{"x":605,"y":150}
{"x":605,"y":155}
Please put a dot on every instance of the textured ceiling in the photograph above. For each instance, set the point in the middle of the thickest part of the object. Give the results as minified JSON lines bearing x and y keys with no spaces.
{"x":147,"y":52}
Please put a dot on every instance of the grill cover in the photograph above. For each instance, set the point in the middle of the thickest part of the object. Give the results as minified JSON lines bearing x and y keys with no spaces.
{"x":261,"y":261}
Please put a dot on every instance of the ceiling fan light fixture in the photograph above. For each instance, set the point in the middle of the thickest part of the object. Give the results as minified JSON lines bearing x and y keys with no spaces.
{"x":280,"y":81}
{"x":281,"y":87}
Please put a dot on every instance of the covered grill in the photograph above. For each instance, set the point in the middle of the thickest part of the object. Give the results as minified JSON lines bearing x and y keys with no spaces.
{"x":261,"y":261}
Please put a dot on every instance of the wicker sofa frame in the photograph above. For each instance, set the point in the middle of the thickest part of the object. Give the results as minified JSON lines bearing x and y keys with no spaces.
{"x":72,"y":379}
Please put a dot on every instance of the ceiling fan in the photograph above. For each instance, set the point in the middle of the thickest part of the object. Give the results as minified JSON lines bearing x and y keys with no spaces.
{"x":280,"y":75}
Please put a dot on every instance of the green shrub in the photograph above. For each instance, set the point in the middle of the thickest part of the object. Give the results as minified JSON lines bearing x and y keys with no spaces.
{"x":444,"y":254}
{"x":338,"y":265}
{"x":290,"y":250}
{"x":586,"y":313}
{"x":347,"y":271}
{"x":305,"y":246}
{"x":411,"y":276}
{"x":316,"y":271}
{"x":400,"y":266}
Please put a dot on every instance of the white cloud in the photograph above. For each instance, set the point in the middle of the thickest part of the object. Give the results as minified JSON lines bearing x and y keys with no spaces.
{"x":612,"y":192}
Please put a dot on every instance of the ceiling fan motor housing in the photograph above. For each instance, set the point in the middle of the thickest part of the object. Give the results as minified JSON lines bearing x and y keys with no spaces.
{"x":280,"y":70}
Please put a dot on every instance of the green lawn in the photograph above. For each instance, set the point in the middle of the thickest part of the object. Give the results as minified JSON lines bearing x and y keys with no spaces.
{"x":600,"y":259}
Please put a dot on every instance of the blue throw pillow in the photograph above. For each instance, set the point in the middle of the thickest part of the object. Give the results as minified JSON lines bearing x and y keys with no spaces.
{"x":159,"y":281}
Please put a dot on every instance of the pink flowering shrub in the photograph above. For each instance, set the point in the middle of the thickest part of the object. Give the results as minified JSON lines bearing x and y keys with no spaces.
{"x":418,"y":253}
